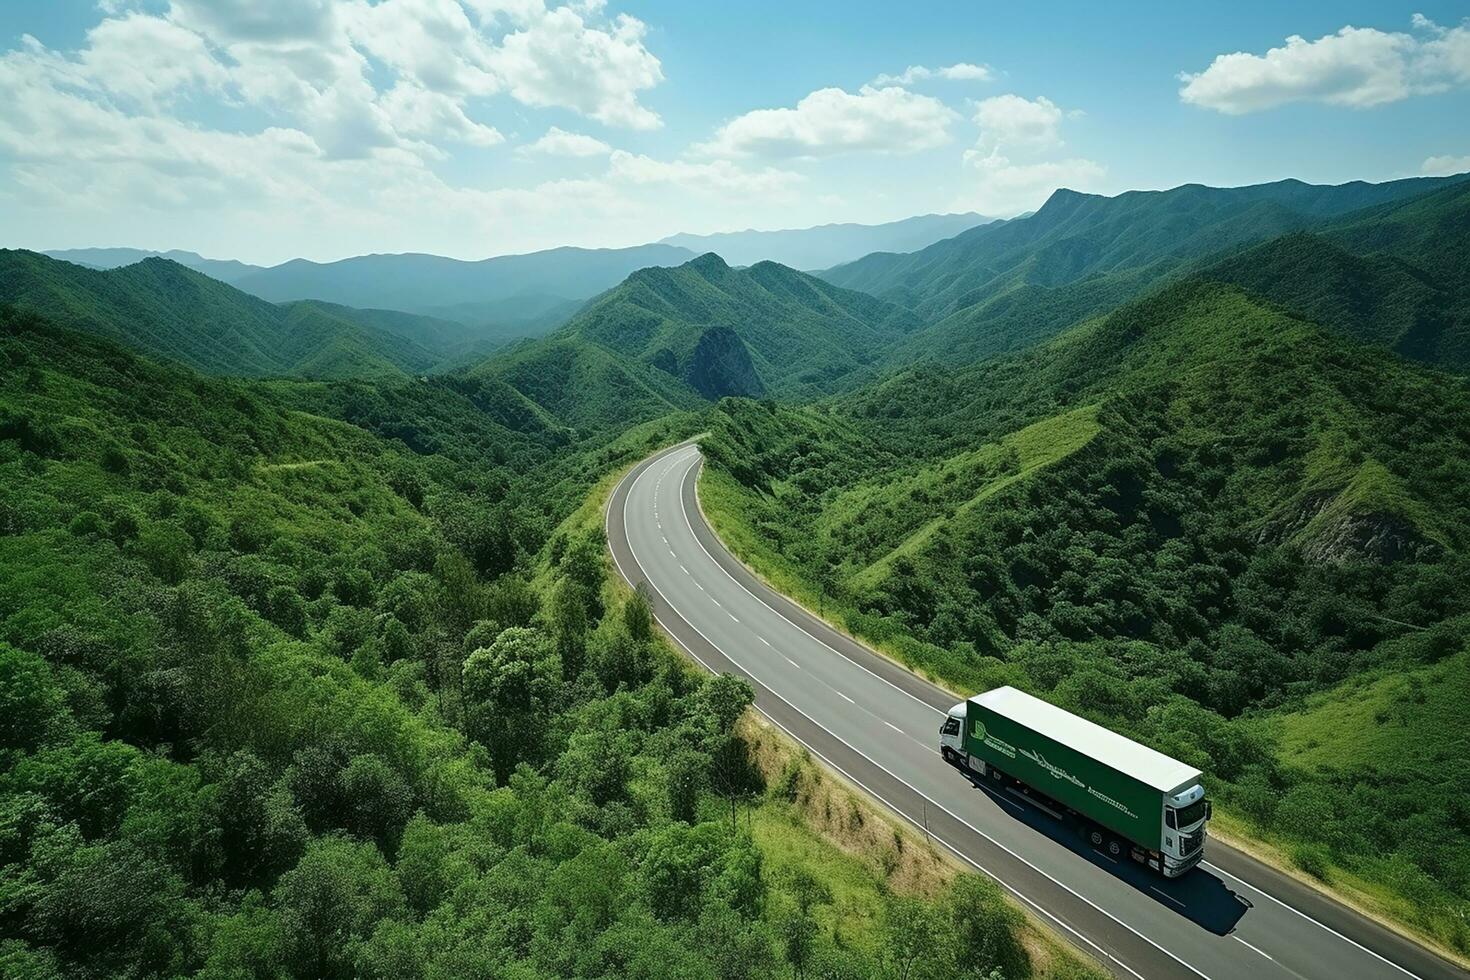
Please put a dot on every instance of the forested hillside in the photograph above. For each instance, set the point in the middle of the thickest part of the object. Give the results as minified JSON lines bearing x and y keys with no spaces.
{"x":1001,"y":287}
{"x":161,"y":308}
{"x":723,"y":331}
{"x":327,"y":680}
{"x":1192,"y":520}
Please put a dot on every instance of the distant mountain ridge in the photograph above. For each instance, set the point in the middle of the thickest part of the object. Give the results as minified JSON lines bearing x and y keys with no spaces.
{"x":164,"y":309}
{"x":1004,"y":286}
{"x":827,"y":245}
{"x":432,"y":284}
{"x":225,"y":270}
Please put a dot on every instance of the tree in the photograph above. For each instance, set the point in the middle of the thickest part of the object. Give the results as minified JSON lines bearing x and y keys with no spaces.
{"x":723,"y":700}
{"x":638,"y":614}
{"x":987,"y":928}
{"x":569,"y":622}
{"x":916,"y":941}
{"x":262,"y":830}
{"x":378,"y":801}
{"x":32,"y":703}
{"x":507,"y":689}
{"x":334,"y":898}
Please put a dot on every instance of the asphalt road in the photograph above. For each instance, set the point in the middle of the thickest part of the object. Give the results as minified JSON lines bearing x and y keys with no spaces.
{"x":877,"y":725}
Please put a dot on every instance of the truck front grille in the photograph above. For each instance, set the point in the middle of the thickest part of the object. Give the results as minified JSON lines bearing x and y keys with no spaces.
{"x":1189,"y":843}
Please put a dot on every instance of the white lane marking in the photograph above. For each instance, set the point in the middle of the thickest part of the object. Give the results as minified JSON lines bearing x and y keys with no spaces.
{"x":1378,"y":956}
{"x":764,"y":640}
{"x":1170,"y":898}
{"x":793,"y":663}
{"x":696,"y":582}
{"x":672,"y":555}
{"x":1258,"y":950}
{"x":717,"y":602}
{"x":778,"y":612}
{"x":695,"y":456}
{"x":845,"y":697}
{"x":684,"y":570}
{"x":966,"y":858}
{"x":731,"y":615}
{"x":894,"y":727}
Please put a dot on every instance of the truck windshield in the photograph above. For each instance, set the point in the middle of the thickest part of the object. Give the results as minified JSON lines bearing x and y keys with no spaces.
{"x":1190,"y":815}
{"x":951,"y":726}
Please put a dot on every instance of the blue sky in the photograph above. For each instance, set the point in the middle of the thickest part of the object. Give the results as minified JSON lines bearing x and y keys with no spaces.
{"x":267,"y":129}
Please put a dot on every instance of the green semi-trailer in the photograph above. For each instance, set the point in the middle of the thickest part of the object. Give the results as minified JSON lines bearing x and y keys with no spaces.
{"x":1130,"y":799}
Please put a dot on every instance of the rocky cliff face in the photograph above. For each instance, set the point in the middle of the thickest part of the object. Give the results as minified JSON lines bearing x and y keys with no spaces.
{"x":1346,"y":537}
{"x":720,"y":365}
{"x":1377,"y":538}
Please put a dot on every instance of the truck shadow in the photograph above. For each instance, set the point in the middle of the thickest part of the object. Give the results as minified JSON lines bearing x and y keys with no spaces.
{"x":1199,"y":896}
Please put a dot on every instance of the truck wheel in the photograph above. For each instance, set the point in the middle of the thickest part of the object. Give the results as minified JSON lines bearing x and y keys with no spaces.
{"x":1095,"y":837}
{"x":1114,"y":847}
{"x":947,"y":754}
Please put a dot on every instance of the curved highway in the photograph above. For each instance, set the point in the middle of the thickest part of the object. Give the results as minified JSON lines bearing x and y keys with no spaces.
{"x":875,"y":723}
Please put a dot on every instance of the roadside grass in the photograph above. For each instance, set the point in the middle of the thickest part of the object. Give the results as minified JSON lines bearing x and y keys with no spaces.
{"x":811,"y":818}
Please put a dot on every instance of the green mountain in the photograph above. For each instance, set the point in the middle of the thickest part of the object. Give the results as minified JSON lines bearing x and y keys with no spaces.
{"x":1395,"y":276}
{"x":1186,"y":519}
{"x":725,"y":331}
{"x":1001,"y":287}
{"x":827,"y":245}
{"x":164,"y":309}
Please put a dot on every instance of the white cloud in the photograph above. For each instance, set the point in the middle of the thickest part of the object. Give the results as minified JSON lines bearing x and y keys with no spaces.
{"x":560,"y":143}
{"x":964,"y":71}
{"x":558,"y":60}
{"x":149,"y":59}
{"x":1356,"y":67}
{"x":431,"y":42}
{"x":831,"y":121}
{"x":1012,"y":157}
{"x":1012,"y":121}
{"x":418,"y":113}
{"x":322,"y":120}
{"x":1006,"y":188}
{"x":715,"y":175}
{"x":1441,"y":166}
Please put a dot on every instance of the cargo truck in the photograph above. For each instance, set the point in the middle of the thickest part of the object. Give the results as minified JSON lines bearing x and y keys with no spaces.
{"x":1128,"y":799}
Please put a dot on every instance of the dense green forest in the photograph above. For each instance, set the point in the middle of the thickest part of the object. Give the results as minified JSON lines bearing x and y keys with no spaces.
{"x":328,"y":680}
{"x":1200,"y":520}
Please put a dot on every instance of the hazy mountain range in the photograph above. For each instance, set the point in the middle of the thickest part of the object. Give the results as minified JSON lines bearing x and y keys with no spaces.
{"x":828,"y":245}
{"x":512,"y":296}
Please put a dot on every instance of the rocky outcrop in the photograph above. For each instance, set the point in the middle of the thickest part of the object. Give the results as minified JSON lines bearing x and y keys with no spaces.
{"x":1377,"y":538}
{"x":720,"y":365}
